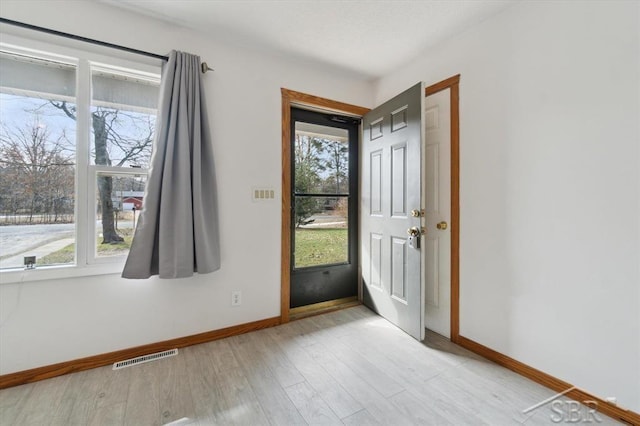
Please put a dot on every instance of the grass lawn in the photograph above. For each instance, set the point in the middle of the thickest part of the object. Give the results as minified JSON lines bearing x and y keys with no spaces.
{"x":66,"y":254}
{"x":321,"y":246}
{"x":313,"y":247}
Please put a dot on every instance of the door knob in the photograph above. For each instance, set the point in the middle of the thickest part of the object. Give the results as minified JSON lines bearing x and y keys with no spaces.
{"x":414,"y":231}
{"x":442,"y":225}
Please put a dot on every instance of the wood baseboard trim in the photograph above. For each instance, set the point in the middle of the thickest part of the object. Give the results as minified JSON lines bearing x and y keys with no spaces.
{"x":602,"y":406}
{"x":49,"y":371}
{"x":323,"y":307}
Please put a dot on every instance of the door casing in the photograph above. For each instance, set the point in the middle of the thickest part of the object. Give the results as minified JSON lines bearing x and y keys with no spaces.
{"x":453,"y":83}
{"x":304,"y":100}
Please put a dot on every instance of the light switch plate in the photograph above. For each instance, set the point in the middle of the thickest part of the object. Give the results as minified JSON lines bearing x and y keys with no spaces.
{"x":259,"y":194}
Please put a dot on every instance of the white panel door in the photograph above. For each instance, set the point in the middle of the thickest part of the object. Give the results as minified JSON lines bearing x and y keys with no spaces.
{"x":391,"y":189}
{"x":437,"y":198}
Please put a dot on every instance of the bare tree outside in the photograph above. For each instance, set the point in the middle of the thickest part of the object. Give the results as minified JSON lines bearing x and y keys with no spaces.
{"x":120,"y":138}
{"x":37,"y":163}
{"x":336,"y":162}
{"x":37,"y":172}
{"x":321,"y":166}
{"x":308,"y":167}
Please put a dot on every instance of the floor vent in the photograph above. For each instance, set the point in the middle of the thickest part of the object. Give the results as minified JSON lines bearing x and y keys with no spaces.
{"x":144,"y":358}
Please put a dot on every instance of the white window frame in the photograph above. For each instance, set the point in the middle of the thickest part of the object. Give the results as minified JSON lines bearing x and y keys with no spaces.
{"x":94,"y":171}
{"x":82,"y":55}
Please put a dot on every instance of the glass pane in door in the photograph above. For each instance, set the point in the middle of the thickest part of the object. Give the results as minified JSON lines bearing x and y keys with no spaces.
{"x":321,"y":231}
{"x":321,"y":189}
{"x":321,"y":159}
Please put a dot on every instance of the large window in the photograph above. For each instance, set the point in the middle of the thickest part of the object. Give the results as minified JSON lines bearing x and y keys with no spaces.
{"x":75,"y":143}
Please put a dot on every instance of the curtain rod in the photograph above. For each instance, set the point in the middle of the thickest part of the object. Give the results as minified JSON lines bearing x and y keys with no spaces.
{"x":204,"y":66}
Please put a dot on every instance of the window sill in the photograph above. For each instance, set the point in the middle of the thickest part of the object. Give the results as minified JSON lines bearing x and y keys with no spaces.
{"x":43,"y":273}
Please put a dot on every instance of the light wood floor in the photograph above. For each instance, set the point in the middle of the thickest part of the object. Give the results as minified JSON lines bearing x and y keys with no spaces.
{"x":348,"y":367}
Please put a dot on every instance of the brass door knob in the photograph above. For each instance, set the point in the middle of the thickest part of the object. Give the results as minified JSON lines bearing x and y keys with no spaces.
{"x":414,"y":231}
{"x":442,"y":225}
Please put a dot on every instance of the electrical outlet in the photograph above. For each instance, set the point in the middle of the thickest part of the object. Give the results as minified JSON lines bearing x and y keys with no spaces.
{"x":236,"y":298}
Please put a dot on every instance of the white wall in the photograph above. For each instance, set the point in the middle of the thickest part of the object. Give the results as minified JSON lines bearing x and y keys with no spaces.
{"x":549,"y":187}
{"x":550,"y":193}
{"x":54,"y":321}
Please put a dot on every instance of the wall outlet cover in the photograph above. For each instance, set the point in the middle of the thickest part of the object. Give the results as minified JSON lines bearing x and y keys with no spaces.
{"x":236,"y":298}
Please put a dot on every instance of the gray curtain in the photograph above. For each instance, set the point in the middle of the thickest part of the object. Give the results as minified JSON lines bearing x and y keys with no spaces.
{"x":177,"y":232}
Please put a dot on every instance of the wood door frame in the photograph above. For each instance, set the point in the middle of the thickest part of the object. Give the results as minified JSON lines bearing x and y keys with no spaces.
{"x":453,"y":83}
{"x":292,"y":98}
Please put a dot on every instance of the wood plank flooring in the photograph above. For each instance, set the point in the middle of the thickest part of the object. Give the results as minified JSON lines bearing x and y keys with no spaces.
{"x":348,"y":367}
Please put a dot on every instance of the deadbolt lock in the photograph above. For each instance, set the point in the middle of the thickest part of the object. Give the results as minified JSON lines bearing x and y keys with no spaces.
{"x":414,"y":237}
{"x":417,"y":213}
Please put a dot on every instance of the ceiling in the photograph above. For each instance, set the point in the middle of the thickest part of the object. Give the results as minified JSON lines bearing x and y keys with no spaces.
{"x":367,"y":37}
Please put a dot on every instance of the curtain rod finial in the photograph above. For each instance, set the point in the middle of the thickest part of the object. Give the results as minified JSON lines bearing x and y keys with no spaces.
{"x":205,"y":67}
